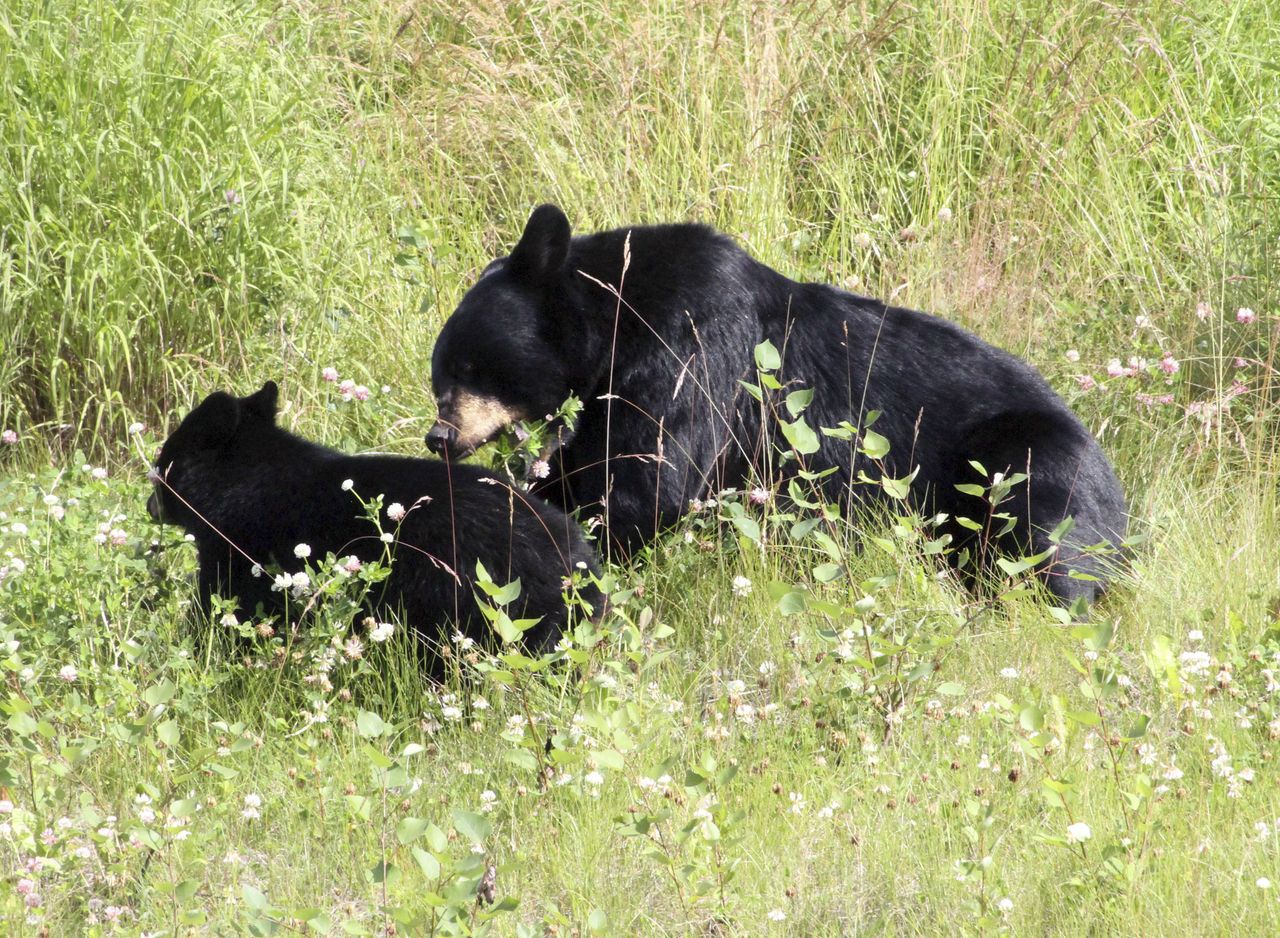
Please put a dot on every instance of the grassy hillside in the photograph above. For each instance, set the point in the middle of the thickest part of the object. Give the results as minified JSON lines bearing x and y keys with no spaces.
{"x":772,"y":735}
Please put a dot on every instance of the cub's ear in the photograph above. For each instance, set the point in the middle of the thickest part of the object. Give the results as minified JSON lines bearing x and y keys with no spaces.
{"x":544,"y":246}
{"x":216,"y":419}
{"x":264,"y":401}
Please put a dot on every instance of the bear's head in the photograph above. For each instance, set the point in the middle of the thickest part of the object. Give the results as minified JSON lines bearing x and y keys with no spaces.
{"x":217,"y":433}
{"x":506,"y":352}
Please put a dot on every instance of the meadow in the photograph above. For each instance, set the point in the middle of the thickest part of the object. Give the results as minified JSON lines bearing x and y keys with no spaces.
{"x":787,"y":724}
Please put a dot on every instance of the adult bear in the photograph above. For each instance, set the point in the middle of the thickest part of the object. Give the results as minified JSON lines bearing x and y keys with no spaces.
{"x":654,"y":329}
{"x":249,"y":492}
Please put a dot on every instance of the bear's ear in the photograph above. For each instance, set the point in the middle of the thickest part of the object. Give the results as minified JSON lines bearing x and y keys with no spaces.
{"x":264,"y":401}
{"x":544,"y":246}
{"x":216,"y":419}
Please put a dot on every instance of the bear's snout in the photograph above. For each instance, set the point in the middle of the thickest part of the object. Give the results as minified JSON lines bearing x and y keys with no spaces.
{"x":441,"y":438}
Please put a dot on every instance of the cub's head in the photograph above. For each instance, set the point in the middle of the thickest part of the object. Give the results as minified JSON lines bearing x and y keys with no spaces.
{"x":501,"y":356}
{"x":199,"y":451}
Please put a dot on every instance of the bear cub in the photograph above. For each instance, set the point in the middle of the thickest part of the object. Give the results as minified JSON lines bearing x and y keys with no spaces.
{"x":250,"y":492}
{"x":654,"y":330}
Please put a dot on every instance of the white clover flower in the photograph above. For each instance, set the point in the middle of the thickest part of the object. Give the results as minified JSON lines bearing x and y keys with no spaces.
{"x":1005,"y":905}
{"x":387,"y":537}
{"x":540,"y":469}
{"x":395,"y":511}
{"x":302,"y":551}
{"x":741,"y":586}
{"x":68,"y":673}
{"x":1264,"y":883}
{"x":1010,"y":674}
{"x":18,"y":528}
{"x":135,"y":428}
{"x":348,"y":485}
{"x":381,"y":632}
{"x":1078,"y":833}
{"x":777,"y":915}
{"x":480,"y":704}
{"x":99,"y":473}
{"x":451,"y":712}
{"x":593,"y":778}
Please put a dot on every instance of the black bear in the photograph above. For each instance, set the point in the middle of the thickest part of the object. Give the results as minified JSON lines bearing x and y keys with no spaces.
{"x":250,"y":492}
{"x":654,"y":329}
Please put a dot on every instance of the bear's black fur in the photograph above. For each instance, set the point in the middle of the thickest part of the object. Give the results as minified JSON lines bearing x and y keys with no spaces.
{"x":250,"y":492}
{"x":660,"y":368}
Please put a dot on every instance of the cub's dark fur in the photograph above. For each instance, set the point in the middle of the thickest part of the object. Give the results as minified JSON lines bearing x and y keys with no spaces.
{"x":250,"y":492}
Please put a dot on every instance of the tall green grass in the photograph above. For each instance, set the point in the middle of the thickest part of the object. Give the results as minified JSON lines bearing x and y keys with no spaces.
{"x":1099,"y":162}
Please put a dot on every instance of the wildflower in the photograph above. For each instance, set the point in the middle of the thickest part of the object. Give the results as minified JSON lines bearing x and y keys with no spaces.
{"x":758,"y":496}
{"x":1086,"y":382}
{"x":256,"y":570}
{"x":777,"y":915}
{"x":797,"y":802}
{"x":1195,"y":635}
{"x":302,"y":551}
{"x":9,"y":436}
{"x":252,"y":803}
{"x":6,"y":806}
{"x":1115,"y":369}
{"x":1169,"y":365}
{"x":68,"y":673}
{"x":1203,"y":311}
{"x":862,"y":240}
{"x":330,"y":374}
{"x":1072,"y":355}
{"x":347,"y":485}
{"x":1264,"y":883}
{"x":451,"y":712}
{"x":360,"y":392}
{"x":1009,"y":674}
{"x":118,"y":536}
{"x":488,"y":801}
{"x":18,"y":528}
{"x":136,"y":427}
{"x":540,"y":469}
{"x":1142,"y":322}
{"x":99,"y":473}
{"x":741,"y":586}
{"x":353,"y":648}
{"x":593,"y":778}
{"x":381,"y":632}
{"x":944,"y":214}
{"x":1246,"y":316}
{"x":395,"y":511}
{"x":480,"y":704}
{"x":1005,"y":905}
{"x":1078,"y":833}
{"x":26,"y":886}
